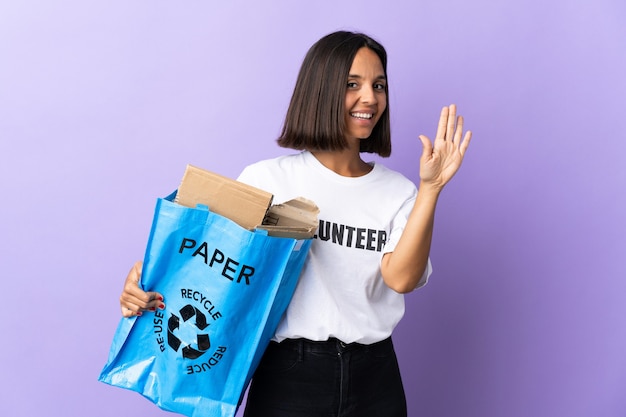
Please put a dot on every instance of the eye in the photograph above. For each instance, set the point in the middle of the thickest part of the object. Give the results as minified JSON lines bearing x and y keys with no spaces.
{"x":352,"y":84}
{"x":379,"y":86}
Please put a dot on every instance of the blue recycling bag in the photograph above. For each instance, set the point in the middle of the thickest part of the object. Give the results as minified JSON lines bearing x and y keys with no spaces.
{"x":225,"y":290}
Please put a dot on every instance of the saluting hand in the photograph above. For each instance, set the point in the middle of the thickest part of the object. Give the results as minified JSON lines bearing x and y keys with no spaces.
{"x":441,"y":160}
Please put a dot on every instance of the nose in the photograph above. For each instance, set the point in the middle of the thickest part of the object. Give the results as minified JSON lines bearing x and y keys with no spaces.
{"x":368,"y":95}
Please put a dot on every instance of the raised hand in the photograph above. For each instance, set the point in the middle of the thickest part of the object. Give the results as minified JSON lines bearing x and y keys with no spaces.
{"x":442,"y":159}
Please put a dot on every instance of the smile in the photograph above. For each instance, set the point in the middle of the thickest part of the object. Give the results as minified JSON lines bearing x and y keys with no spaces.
{"x":362,"y":115}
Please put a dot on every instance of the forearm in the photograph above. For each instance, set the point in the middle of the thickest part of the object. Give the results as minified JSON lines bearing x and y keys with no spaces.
{"x":403,"y":268}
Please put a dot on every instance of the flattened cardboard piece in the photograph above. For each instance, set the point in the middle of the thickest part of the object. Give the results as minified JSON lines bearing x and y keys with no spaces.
{"x":248,"y":206}
{"x":295,"y":218}
{"x":243,"y":204}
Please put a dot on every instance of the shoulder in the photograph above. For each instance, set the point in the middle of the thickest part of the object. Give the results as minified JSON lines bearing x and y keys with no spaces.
{"x":279,"y":162}
{"x":260,"y":172}
{"x":394,"y":179}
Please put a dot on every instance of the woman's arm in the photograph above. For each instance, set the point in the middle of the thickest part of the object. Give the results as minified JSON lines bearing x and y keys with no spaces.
{"x":403,"y":268}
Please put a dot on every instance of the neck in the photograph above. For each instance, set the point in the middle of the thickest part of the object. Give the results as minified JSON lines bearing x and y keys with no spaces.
{"x":346,"y":163}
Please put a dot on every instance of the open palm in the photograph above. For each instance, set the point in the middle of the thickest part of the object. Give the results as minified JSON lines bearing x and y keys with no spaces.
{"x":442,"y":159}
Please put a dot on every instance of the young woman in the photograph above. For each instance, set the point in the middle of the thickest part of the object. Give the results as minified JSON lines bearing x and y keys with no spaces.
{"x":332,"y":353}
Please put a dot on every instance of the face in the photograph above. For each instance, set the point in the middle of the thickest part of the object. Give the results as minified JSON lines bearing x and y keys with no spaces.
{"x":366,"y":99}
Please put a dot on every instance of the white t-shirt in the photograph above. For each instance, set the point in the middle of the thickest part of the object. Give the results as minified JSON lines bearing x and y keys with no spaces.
{"x":341,"y":292}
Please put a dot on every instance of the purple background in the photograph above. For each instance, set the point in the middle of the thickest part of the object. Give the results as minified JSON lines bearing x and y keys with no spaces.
{"x":103,"y":103}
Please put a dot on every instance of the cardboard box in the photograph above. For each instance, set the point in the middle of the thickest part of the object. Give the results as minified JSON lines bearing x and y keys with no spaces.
{"x":247,"y":206}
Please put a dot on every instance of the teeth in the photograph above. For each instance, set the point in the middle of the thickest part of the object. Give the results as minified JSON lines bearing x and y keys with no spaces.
{"x":362,"y":115}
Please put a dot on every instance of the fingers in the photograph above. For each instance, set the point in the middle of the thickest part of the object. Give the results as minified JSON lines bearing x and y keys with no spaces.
{"x":442,"y":127}
{"x":460,"y":141}
{"x":427,"y":146}
{"x":453,"y":125}
{"x":450,"y":126}
{"x":459,"y":130}
{"x":137,"y":269}
{"x":451,"y":122}
{"x":465,"y":143}
{"x":134,"y":300}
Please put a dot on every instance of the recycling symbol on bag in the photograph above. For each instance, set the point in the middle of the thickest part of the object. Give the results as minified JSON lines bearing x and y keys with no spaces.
{"x":203,"y":343}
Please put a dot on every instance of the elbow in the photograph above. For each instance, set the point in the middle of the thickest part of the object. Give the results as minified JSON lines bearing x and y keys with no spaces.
{"x":402,"y":279}
{"x":401,"y":288}
{"x":403,"y":283}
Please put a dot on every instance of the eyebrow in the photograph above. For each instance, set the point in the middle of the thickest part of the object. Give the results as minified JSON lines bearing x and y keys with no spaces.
{"x":380,"y":77}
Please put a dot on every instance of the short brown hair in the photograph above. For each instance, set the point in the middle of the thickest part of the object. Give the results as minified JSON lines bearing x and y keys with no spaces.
{"x":315,"y":118}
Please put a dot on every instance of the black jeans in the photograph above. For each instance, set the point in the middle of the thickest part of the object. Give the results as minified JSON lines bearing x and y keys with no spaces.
{"x":300,"y":378}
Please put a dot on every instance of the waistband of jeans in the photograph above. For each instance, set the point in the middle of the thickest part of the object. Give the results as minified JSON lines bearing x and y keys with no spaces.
{"x":333,"y":345}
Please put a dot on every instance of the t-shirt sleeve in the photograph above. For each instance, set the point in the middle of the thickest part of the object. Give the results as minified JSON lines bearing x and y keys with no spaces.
{"x":247,"y":176}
